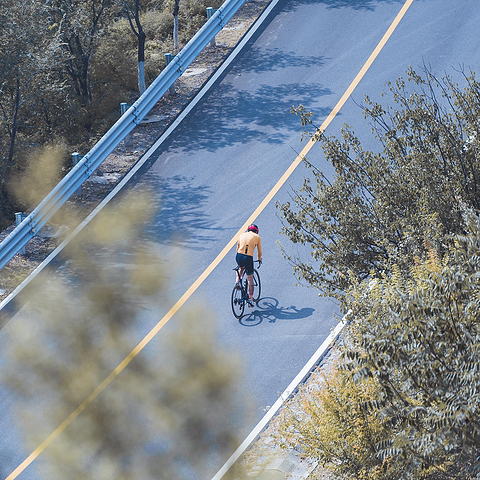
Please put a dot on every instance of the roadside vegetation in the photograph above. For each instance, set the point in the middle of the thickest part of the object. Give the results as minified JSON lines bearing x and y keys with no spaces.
{"x":395,"y":237}
{"x":75,"y":61}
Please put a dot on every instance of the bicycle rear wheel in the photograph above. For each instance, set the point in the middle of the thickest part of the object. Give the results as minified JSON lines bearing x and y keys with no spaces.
{"x":257,"y":286}
{"x":238,"y":303}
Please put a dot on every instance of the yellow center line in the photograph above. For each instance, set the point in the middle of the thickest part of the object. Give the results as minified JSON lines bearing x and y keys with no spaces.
{"x":219,"y":257}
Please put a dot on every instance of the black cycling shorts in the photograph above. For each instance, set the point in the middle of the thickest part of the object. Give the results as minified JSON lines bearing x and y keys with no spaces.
{"x":245,"y":261}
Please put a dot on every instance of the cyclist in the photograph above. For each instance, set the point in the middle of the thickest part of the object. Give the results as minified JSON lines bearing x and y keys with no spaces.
{"x":246,"y":244}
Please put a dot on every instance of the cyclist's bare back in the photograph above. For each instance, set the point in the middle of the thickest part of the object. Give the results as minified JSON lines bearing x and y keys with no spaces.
{"x":246,"y":244}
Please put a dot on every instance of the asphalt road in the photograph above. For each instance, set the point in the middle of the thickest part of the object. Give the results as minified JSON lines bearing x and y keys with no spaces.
{"x":229,"y":152}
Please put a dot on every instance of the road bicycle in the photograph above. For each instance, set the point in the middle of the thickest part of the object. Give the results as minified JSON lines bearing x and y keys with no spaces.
{"x":240,"y":291}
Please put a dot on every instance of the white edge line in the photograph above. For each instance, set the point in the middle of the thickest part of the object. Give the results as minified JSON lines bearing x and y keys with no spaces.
{"x":146,"y":156}
{"x":283,"y":397}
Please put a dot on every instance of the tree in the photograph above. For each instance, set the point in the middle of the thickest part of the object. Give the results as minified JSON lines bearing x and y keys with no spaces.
{"x":132,"y":12}
{"x":77,"y":23}
{"x":418,"y":336}
{"x":176,"y":9}
{"x":404,"y":402}
{"x":331,"y":425}
{"x":20,"y":78}
{"x":394,"y":235}
{"x":379,"y":207}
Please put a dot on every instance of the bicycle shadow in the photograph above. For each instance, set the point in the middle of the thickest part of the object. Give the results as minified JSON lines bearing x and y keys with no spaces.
{"x":267,"y":309}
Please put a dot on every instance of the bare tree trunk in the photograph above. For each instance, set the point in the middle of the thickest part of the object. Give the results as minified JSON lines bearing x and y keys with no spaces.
{"x":133,"y":17}
{"x":78,"y":69}
{"x":80,"y":47}
{"x":6,"y":206}
{"x":175,"y":25}
{"x":13,"y":134}
{"x":141,"y":62}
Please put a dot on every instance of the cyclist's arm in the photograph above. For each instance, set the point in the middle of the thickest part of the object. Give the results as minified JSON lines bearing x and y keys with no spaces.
{"x":259,"y":249}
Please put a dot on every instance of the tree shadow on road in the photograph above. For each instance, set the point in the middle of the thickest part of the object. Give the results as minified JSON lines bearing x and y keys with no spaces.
{"x":260,"y":60}
{"x":180,"y":218}
{"x":331,"y":4}
{"x":268,"y":309}
{"x":233,"y":117}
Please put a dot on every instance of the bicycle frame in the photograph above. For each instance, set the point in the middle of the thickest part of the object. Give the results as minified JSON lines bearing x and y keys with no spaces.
{"x":238,"y":301}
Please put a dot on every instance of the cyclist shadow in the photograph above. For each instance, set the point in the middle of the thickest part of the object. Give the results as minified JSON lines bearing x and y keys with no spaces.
{"x":267,"y":309}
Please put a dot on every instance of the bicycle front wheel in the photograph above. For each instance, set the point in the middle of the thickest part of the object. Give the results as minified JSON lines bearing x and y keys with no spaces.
{"x":257,"y":286}
{"x":238,"y":303}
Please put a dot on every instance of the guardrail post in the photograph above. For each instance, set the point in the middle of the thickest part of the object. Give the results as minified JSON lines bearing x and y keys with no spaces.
{"x":76,"y":158}
{"x":168,"y":59}
{"x":210,"y":12}
{"x":19,"y":217}
{"x":123,"y":108}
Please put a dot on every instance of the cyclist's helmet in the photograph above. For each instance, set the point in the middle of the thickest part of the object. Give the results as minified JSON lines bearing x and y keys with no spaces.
{"x":252,"y":228}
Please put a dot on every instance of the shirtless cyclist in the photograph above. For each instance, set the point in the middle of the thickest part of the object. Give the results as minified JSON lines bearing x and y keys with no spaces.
{"x":246,"y":244}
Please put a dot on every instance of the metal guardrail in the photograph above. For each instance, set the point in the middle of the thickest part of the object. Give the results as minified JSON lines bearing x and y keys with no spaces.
{"x":33,"y":223}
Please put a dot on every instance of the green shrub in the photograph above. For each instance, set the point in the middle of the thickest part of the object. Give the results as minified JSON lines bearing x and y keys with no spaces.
{"x":115,"y":61}
{"x":418,"y":336}
{"x":157,"y":25}
{"x":193,"y":15}
{"x":333,"y":427}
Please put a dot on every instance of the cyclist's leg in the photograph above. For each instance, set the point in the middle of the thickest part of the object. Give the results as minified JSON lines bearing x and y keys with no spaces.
{"x":250,"y":286}
{"x":241,"y":266}
{"x":241,"y":259}
{"x":240,"y":274}
{"x":249,"y":271}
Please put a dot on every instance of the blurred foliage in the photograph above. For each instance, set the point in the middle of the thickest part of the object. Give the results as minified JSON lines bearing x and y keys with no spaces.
{"x":378,"y":207}
{"x":74,"y":63}
{"x":42,"y":172}
{"x":168,"y":413}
